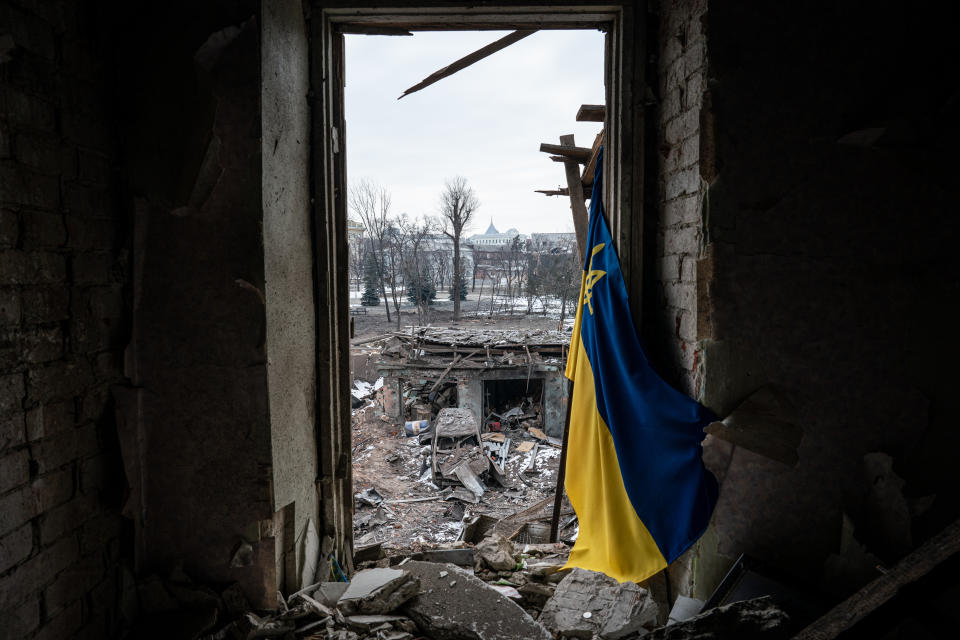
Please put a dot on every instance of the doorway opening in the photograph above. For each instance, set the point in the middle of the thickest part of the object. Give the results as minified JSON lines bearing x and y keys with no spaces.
{"x":621,"y":69}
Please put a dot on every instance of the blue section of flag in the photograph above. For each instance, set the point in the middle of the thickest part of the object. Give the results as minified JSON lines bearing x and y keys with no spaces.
{"x":657,"y":431}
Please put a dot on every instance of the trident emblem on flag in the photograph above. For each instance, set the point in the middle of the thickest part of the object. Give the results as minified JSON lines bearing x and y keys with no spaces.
{"x":593,"y":276}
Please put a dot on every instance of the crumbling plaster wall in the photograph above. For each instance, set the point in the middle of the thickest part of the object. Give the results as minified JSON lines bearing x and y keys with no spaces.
{"x":288,"y":256}
{"x":195,"y":417}
{"x":63,"y":324}
{"x":826,"y":133}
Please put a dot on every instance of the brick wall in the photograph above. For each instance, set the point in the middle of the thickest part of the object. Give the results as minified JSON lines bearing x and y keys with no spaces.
{"x":682,"y":81}
{"x":61,"y":325}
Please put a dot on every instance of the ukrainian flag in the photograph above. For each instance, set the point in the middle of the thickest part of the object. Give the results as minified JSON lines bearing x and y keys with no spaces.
{"x":634,"y":471}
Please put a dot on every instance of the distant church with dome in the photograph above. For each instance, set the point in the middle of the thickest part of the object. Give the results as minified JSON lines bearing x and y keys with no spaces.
{"x":493,"y":238}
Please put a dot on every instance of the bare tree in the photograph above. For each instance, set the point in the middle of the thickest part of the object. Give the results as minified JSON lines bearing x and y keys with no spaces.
{"x":371,"y":202}
{"x":457,"y":206}
{"x":416,"y":266}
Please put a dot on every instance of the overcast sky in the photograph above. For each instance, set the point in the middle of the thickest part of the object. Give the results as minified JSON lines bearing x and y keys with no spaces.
{"x":485,"y":123}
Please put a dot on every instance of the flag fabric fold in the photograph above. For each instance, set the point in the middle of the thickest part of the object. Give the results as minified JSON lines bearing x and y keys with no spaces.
{"x":634,"y":473}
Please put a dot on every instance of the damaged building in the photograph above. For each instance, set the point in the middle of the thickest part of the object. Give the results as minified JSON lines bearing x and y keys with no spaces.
{"x":175,"y":442}
{"x":500,"y":375}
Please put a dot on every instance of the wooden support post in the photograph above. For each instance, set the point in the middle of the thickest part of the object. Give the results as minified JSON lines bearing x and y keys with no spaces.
{"x":575,"y":188}
{"x":562,"y":471}
{"x":591,"y":113}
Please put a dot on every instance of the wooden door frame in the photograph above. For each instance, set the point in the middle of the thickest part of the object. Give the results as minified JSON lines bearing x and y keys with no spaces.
{"x":624,"y":24}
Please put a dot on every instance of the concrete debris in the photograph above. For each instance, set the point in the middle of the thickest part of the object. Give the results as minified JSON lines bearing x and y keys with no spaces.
{"x":745,"y":620}
{"x":378,"y":591}
{"x":683,"y":609}
{"x":469,"y":610}
{"x":329,"y":593}
{"x":497,"y":553}
{"x":587,"y":604}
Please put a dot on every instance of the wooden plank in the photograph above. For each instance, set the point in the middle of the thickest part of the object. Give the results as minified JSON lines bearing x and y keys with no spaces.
{"x":568,"y":151}
{"x":575,"y":189}
{"x":591,"y":166}
{"x":913,"y":567}
{"x":373,"y":30}
{"x":562,"y":191}
{"x":591,"y":113}
{"x":469,"y":59}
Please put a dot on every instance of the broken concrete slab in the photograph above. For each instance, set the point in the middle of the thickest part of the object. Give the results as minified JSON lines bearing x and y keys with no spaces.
{"x":462,"y":557}
{"x":375,"y":591}
{"x":745,"y":620}
{"x":468,"y":610}
{"x":588,"y":603}
{"x":329,"y":593}
{"x":496,"y":552}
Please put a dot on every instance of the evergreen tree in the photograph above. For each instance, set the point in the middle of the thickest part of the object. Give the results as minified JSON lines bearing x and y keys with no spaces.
{"x":463,"y":288}
{"x":423,"y":287}
{"x":371,"y":285}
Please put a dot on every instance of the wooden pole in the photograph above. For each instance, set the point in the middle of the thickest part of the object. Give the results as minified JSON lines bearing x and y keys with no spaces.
{"x":562,"y":471}
{"x":469,"y":59}
{"x":577,"y":207}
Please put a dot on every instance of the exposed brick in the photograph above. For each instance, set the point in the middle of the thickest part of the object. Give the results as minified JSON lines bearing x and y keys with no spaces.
{"x":32,"y":267}
{"x":94,"y":268}
{"x":22,"y":186}
{"x":684,"y":210}
{"x":22,"y":620}
{"x":681,"y":295}
{"x":25,"y":110}
{"x":63,"y":448}
{"x":92,"y":403}
{"x":682,"y":182}
{"x":9,"y":228}
{"x":45,"y":304}
{"x":52,"y":489}
{"x":50,"y":419}
{"x":29,"y":32}
{"x":14,"y":471}
{"x":73,"y":583}
{"x":58,"y":381}
{"x":37,"y":572}
{"x":15,"y":547}
{"x":686,"y":324}
{"x":88,"y":201}
{"x":43,"y":230}
{"x":32,"y":74}
{"x":44,"y":344}
{"x":11,"y":429}
{"x":5,"y":151}
{"x":91,"y":233}
{"x":9,"y":348}
{"x":40,"y":151}
{"x":9,"y":306}
{"x":682,"y":127}
{"x":11,"y":393}
{"x":109,"y":366}
{"x":67,"y":517}
{"x":64,"y":625}
{"x":681,"y":240}
{"x":690,"y":151}
{"x":86,"y":130}
{"x":16,"y":508}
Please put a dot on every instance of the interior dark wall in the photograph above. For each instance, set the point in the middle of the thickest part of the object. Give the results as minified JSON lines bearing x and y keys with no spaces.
{"x":195,"y":414}
{"x":831,"y":221}
{"x":64,"y":321}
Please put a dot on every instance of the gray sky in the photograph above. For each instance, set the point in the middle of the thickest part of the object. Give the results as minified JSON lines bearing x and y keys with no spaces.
{"x":485,"y":123}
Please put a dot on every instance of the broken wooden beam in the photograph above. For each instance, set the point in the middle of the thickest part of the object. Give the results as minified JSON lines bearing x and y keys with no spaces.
{"x":575,"y":189}
{"x":469,"y":59}
{"x":911,"y":568}
{"x":568,"y":151}
{"x":559,"y":191}
{"x":591,"y":166}
{"x":591,"y":113}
